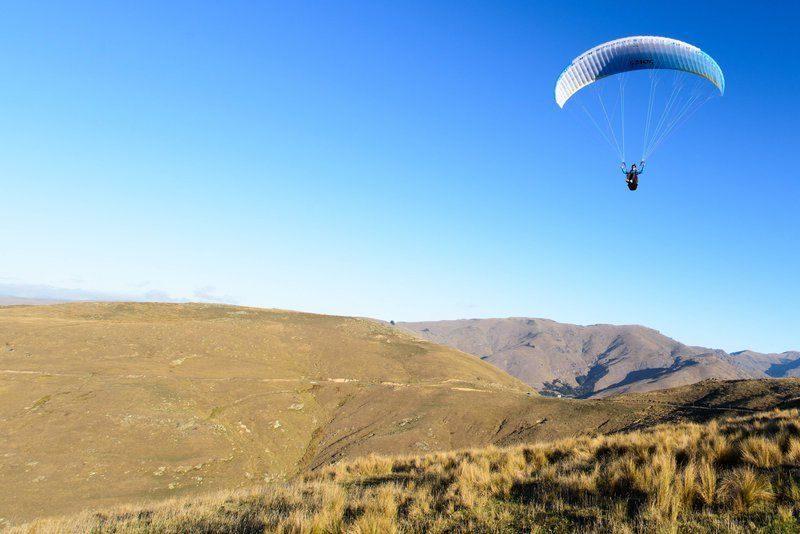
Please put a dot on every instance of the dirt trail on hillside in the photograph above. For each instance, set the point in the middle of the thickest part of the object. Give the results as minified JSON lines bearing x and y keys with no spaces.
{"x":446,"y":383}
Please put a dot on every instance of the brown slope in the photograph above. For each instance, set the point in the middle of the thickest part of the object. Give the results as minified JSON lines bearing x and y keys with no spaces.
{"x":102,"y":403}
{"x":775,"y":365}
{"x":711,"y":399}
{"x":373,"y":486}
{"x":582,"y":361}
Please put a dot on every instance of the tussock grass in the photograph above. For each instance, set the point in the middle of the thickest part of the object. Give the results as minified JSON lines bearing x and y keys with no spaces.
{"x":747,"y":489}
{"x":761,"y":452}
{"x":734,"y":475}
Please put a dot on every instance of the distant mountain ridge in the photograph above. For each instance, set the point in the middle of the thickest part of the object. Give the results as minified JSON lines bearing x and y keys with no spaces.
{"x":775,"y":365}
{"x":598,"y":360}
{"x":6,"y":300}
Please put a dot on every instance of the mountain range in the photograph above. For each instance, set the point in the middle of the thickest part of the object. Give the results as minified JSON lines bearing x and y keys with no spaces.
{"x":598,"y":360}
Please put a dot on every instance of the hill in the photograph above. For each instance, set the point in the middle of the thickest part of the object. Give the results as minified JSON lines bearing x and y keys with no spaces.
{"x":775,"y":365}
{"x":597,"y":360}
{"x":102,"y":403}
{"x":734,"y":475}
{"x":710,"y":399}
{"x":109,"y":403}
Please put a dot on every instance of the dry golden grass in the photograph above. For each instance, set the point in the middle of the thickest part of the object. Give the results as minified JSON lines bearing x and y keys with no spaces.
{"x":761,"y":452}
{"x":736,"y":475}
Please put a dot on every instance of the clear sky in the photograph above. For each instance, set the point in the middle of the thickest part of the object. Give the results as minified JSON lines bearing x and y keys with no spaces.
{"x":400,"y":160}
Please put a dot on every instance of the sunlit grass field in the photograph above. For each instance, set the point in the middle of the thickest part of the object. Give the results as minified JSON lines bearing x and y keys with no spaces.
{"x":735,"y":475}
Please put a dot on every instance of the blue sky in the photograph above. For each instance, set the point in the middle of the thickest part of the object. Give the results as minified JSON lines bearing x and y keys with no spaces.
{"x":403,"y":162}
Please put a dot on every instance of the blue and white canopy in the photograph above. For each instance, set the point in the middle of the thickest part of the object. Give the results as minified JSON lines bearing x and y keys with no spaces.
{"x":636,"y":53}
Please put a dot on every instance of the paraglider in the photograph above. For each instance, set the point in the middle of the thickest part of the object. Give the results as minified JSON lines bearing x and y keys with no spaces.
{"x":678,"y":74}
{"x":632,"y":174}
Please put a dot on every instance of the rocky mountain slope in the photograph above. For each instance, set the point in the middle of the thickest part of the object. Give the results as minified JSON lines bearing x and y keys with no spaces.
{"x":774,"y":365}
{"x":597,"y":360}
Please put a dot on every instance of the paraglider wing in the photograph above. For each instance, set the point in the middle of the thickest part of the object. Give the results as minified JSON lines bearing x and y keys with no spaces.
{"x":636,"y":53}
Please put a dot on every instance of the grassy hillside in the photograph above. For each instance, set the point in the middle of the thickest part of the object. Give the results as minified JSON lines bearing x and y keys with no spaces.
{"x":737,"y":475}
{"x":720,"y":396}
{"x":106,"y":403}
{"x":103,"y":403}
